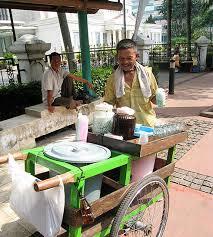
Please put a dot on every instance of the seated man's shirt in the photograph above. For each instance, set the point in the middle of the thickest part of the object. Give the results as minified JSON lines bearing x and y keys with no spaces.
{"x":53,"y":80}
{"x":134,"y":98}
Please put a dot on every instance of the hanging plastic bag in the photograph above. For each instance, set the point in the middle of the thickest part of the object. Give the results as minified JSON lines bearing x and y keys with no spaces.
{"x":44,"y":210}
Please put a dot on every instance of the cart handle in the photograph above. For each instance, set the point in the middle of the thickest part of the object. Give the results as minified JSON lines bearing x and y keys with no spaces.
{"x":16,"y":156}
{"x":54,"y":181}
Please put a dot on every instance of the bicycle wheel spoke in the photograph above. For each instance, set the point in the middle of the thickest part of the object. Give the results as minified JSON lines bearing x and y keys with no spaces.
{"x":141,"y":212}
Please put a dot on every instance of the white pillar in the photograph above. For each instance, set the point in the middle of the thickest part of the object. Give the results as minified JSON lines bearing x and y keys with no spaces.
{"x":202,"y":44}
{"x":144,"y":45}
{"x":114,"y":37}
{"x":30,"y":52}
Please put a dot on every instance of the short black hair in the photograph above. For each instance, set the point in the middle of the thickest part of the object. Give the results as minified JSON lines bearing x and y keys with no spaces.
{"x":53,"y":54}
{"x":126,"y":44}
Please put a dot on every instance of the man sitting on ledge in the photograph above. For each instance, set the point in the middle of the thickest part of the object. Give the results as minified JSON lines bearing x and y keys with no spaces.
{"x":58,"y":87}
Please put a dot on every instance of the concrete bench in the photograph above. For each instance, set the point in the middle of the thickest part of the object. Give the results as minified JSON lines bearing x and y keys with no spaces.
{"x":20,"y":132}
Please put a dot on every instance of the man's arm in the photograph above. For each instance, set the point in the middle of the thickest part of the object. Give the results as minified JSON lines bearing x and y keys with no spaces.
{"x":109,"y":94}
{"x":80,"y":79}
{"x":49,"y":101}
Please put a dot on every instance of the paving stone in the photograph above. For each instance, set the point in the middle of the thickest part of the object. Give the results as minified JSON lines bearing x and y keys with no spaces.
{"x":195,"y":186}
{"x":182,"y":171}
{"x":175,"y":180}
{"x":192,"y":174}
{"x":206,"y":189}
{"x":180,"y":176}
{"x":210,"y":179}
{"x":188,"y":178}
{"x":198,"y":181}
{"x":201,"y":176}
{"x":184,"y":183}
{"x":208,"y":184}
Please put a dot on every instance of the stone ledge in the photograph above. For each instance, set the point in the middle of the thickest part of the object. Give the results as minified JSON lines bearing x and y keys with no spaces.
{"x":40,"y":110}
{"x":207,"y":113}
{"x":20,"y":132}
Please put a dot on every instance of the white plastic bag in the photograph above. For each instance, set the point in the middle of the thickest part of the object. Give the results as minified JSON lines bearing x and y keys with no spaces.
{"x":44,"y":209}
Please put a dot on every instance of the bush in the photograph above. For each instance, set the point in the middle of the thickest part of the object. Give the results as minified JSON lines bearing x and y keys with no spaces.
{"x":99,"y":78}
{"x":15,"y":97}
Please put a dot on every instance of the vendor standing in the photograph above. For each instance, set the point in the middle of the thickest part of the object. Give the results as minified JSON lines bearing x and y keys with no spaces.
{"x":58,"y":87}
{"x":132,"y":84}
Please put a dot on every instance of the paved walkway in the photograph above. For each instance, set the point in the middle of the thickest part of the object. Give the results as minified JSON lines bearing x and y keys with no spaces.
{"x":191,"y":199}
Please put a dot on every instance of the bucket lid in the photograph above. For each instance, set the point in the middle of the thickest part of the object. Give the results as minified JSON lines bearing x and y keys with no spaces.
{"x":77,"y":152}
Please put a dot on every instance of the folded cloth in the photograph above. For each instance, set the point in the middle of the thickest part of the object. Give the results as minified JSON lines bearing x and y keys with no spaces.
{"x":142,"y":77}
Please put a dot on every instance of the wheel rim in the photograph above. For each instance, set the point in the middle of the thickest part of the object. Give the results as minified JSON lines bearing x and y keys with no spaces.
{"x":151,"y":221}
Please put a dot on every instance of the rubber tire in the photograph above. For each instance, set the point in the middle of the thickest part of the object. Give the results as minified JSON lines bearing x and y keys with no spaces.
{"x":130,"y":197}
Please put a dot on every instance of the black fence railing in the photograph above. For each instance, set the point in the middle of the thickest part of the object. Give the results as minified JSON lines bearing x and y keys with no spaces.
{"x":158,"y":52}
{"x":99,"y":57}
{"x":8,"y":71}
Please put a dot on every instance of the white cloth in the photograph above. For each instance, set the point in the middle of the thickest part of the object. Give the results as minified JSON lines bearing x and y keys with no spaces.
{"x":52,"y":80}
{"x":142,"y":77}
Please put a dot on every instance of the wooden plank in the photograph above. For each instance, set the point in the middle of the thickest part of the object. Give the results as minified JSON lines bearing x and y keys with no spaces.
{"x":112,"y":183}
{"x":162,"y":144}
{"x":130,"y":147}
{"x":70,"y":5}
{"x":102,"y":224}
{"x":105,"y":221}
{"x":110,"y":201}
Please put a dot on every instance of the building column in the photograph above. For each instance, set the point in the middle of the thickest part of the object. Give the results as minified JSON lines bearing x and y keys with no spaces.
{"x":114,"y":37}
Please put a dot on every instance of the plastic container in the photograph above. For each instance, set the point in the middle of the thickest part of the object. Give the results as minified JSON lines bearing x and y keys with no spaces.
{"x":140,"y":128}
{"x":82,"y":127}
{"x":160,"y":97}
{"x":102,"y":118}
{"x":79,"y":154}
{"x":144,"y":166}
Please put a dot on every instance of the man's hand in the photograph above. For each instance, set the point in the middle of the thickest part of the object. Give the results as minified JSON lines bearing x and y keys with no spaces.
{"x":75,"y":103}
{"x":90,"y":85}
{"x":51,"y":108}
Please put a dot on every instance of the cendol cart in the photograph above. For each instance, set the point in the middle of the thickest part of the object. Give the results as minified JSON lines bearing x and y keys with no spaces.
{"x":124,"y":208}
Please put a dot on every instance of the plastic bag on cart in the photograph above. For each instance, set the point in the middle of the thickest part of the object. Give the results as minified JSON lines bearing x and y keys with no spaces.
{"x":44,"y":209}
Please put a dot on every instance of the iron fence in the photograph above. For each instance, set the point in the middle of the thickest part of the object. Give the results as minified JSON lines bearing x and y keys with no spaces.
{"x":99,"y":57}
{"x":8,"y":71}
{"x":158,"y":52}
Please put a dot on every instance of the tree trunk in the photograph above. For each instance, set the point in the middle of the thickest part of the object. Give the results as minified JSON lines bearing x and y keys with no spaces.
{"x":67,"y":40}
{"x":141,"y":6}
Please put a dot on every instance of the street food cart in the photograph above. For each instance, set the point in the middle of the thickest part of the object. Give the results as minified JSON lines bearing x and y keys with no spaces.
{"x":124,"y":208}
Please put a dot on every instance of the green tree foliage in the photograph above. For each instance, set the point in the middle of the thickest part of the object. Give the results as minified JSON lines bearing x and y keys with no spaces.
{"x":201,"y":14}
{"x":150,"y":20}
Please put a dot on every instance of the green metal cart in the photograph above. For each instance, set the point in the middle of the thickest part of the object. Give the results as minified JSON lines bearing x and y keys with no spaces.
{"x":126,"y":209}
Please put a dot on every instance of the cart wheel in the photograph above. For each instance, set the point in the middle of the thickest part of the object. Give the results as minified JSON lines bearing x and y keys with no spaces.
{"x":144,"y":210}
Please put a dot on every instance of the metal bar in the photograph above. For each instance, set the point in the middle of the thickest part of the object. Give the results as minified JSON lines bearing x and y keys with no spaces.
{"x":85,"y":50}
{"x":124,"y":12}
{"x":169,"y":29}
{"x":170,"y":158}
{"x":12,"y":24}
{"x":189,"y":30}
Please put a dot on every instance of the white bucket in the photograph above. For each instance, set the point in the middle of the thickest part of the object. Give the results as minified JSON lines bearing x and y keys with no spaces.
{"x":142,"y":167}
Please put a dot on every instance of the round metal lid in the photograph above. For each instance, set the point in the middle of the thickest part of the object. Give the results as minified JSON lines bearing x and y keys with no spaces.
{"x":77,"y":152}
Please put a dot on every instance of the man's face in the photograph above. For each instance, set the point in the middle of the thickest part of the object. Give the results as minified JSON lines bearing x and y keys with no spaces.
{"x":56,"y":62}
{"x":127,"y":59}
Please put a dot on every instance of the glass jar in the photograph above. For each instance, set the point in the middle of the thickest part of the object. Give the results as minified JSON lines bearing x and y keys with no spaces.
{"x":124,"y":125}
{"x":102,"y":118}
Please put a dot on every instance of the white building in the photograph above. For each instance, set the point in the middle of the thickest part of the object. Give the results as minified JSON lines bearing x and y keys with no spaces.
{"x":104,"y":28}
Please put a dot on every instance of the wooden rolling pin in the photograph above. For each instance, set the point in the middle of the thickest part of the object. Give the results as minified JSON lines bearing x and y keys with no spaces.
{"x":54,"y":181}
{"x":17,"y":156}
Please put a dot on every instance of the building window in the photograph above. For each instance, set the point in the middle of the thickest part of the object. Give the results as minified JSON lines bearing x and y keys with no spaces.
{"x":76,"y":41}
{"x":97,"y":38}
{"x":105,"y":38}
{"x":4,"y":14}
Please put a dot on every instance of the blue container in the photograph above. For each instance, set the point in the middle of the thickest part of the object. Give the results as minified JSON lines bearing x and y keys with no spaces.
{"x":140,"y":128}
